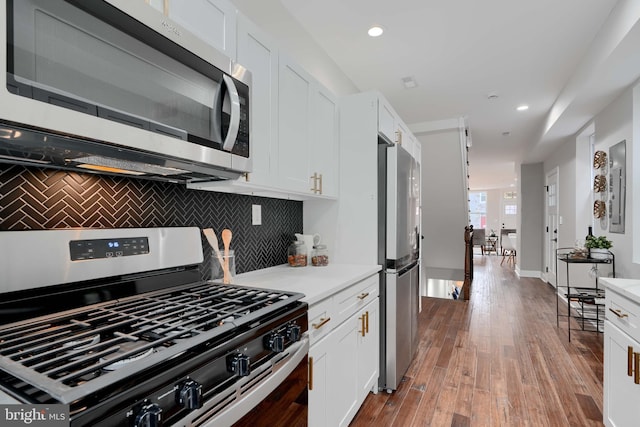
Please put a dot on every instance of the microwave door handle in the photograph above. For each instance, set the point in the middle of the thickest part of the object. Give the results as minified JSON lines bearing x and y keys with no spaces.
{"x":216,"y":115}
{"x":234,"y":123}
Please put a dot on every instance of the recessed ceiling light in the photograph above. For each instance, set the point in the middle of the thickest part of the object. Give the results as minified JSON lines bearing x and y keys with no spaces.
{"x":522,"y":108}
{"x":506,"y":133}
{"x":375,"y":31}
{"x":492,"y":96}
{"x":409,"y":82}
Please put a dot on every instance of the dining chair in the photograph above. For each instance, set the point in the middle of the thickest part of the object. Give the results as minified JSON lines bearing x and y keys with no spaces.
{"x":509,"y":249}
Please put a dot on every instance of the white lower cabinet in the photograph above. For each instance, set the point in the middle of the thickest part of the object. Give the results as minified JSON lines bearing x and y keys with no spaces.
{"x":621,"y":353}
{"x":318,"y":383}
{"x":621,"y":391}
{"x":369,"y":351}
{"x":344,"y":363}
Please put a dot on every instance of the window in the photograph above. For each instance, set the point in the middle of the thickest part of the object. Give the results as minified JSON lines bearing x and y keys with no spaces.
{"x":478,"y":209}
{"x":510,"y":209}
{"x":510,"y":195}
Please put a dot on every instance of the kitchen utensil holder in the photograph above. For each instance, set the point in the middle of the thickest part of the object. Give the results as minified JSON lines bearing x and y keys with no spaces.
{"x":217,"y":270}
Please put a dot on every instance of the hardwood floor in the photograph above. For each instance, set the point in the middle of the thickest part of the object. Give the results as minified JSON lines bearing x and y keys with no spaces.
{"x":495,"y":360}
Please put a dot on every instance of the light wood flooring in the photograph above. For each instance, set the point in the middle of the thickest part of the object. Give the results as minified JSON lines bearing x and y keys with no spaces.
{"x":496,"y":360}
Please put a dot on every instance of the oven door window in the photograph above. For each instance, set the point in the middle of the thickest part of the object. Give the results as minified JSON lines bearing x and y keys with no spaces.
{"x":65,"y":56}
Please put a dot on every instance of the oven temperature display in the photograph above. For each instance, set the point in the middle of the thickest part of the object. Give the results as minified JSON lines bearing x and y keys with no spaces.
{"x":108,"y":248}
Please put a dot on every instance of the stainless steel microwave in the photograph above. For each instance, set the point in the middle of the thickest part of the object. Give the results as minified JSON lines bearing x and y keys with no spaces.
{"x":115,"y":86}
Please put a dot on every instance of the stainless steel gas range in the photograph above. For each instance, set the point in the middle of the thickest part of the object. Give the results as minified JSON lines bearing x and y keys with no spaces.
{"x":116,"y":324}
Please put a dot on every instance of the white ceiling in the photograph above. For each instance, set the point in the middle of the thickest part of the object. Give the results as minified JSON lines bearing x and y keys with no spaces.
{"x":460,"y":51}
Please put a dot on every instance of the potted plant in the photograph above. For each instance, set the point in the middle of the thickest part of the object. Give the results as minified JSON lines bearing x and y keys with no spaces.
{"x":598,"y":246}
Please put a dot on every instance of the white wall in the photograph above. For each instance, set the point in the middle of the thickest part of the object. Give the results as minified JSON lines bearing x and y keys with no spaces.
{"x":494,"y":198}
{"x":565,"y":160}
{"x":612,"y":125}
{"x":530,"y":219}
{"x":444,"y":209}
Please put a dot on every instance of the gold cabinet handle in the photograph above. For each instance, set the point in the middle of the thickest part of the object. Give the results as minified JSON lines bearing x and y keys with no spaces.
{"x":630,"y":354}
{"x":362,"y":330}
{"x":636,"y":377}
{"x":317,"y":183}
{"x":399,"y":137}
{"x":323,"y":322}
{"x":363,"y":295}
{"x":618,"y":313}
{"x":366,"y":316}
{"x":310,"y":373}
{"x":314,"y":177}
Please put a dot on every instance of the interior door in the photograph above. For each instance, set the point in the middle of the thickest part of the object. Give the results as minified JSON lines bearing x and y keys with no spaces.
{"x":551,"y":228}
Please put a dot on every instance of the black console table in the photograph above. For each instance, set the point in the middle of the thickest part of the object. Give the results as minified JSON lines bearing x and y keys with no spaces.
{"x":588,"y":307}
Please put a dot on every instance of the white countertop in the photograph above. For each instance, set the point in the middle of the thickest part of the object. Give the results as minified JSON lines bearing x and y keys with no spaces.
{"x":629,"y":288}
{"x":316,"y":283}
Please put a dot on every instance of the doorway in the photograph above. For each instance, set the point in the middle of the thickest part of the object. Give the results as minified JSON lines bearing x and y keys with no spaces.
{"x":551,"y":227}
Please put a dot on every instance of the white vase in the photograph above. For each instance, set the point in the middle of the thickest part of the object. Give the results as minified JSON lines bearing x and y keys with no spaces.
{"x":598,"y":253}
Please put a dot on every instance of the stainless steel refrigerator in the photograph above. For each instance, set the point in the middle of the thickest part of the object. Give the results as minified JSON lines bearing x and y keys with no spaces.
{"x":398,"y":253}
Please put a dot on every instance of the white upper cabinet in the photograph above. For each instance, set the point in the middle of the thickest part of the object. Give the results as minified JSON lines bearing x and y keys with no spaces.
{"x":308,"y":133}
{"x":294,"y":126}
{"x":259,"y":54}
{"x":386,"y":120}
{"x":324,"y":160}
{"x":214,"y":21}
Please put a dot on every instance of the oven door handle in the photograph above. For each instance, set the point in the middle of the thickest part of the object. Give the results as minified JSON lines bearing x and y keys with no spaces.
{"x":247,"y":401}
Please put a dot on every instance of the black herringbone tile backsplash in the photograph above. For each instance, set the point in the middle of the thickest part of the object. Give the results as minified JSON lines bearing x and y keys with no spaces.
{"x":35,"y":199}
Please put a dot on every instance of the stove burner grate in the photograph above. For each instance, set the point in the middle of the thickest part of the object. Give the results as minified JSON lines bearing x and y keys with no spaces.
{"x":73,"y":353}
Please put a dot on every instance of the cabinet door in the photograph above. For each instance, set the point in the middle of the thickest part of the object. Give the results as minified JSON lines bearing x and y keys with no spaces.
{"x":259,"y":54}
{"x":386,"y":120}
{"x":343,"y":399}
{"x":214,"y":21}
{"x":319,"y":389}
{"x":324,"y":143}
{"x":369,"y":350}
{"x":621,"y":394}
{"x":294,"y":118}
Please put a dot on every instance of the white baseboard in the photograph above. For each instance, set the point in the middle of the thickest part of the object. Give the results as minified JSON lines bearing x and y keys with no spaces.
{"x":528,"y":273}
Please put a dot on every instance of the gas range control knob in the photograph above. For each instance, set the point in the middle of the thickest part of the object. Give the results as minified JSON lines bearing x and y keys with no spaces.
{"x":239,"y":364}
{"x":275,"y":342}
{"x":293,"y":333}
{"x":189,"y":395}
{"x":149,"y":415}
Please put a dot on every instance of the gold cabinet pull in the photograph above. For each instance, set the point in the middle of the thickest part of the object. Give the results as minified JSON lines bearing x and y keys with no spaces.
{"x":323,"y":322}
{"x":366,"y":316}
{"x":362,"y":329}
{"x":363,"y":295}
{"x":630,"y":361}
{"x":314,"y":177}
{"x":636,"y":377}
{"x":310,"y":373}
{"x":317,"y":183}
{"x":618,"y":313}
{"x":399,"y":137}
